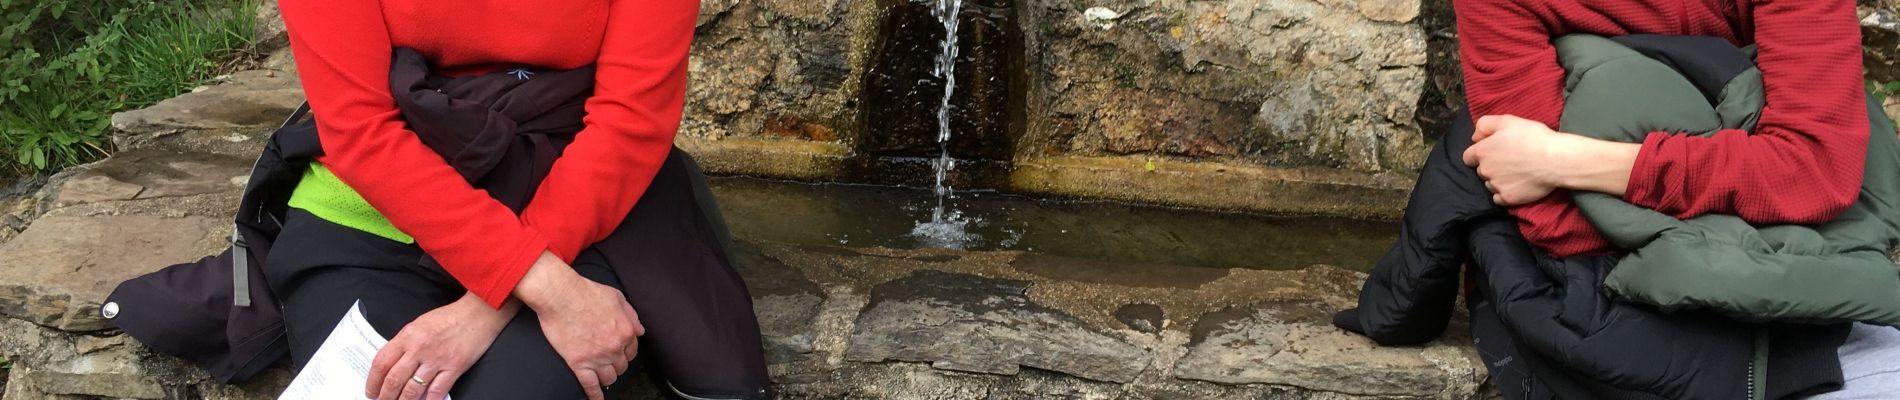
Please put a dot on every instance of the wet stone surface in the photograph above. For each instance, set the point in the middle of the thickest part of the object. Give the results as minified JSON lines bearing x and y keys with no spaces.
{"x":967,"y":323}
{"x":784,"y":301}
{"x":1125,"y":273}
{"x":1145,"y":318}
{"x":918,"y":324}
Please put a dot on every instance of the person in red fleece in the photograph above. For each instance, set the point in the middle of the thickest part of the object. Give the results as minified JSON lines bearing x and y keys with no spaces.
{"x":502,"y":260}
{"x":1801,"y":165}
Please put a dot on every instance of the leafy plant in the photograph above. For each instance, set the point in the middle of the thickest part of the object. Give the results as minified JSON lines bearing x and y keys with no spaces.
{"x":69,"y":64}
{"x":1883,"y":91}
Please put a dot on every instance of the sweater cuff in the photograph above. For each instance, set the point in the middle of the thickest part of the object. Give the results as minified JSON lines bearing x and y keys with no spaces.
{"x":1646,"y":187}
{"x":560,"y":240}
{"x":508,"y":273}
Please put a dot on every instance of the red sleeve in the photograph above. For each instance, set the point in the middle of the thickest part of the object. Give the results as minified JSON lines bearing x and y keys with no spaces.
{"x":1511,"y":68}
{"x":1803,"y":163}
{"x":639,"y":93}
{"x":342,"y":49}
{"x":1509,"y":64}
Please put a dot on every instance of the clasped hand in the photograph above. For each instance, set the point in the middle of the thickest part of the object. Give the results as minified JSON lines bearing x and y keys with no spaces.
{"x":589,"y":324}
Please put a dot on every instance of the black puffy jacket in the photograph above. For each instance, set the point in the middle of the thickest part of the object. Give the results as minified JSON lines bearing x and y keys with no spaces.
{"x":1577,"y":341}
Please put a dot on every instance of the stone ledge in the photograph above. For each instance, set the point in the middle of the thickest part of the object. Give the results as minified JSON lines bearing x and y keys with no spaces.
{"x":838,"y":322}
{"x":1213,"y":185}
{"x":777,"y":158}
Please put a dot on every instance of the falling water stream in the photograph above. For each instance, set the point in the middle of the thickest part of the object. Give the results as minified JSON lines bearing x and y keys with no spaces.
{"x":947,"y":226}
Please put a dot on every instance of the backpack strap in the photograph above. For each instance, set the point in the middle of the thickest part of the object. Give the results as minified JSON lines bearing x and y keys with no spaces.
{"x":240,"y":251}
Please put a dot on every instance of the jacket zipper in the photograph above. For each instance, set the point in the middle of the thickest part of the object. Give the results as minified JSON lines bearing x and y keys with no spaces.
{"x":1757,"y":368}
{"x":1751,"y":380}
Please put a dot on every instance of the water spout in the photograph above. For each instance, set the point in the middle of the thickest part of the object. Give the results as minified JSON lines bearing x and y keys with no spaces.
{"x":947,"y":227}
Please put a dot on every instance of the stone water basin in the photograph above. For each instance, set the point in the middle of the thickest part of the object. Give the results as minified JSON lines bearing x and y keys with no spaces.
{"x":1061,"y":299}
{"x":849,"y":215}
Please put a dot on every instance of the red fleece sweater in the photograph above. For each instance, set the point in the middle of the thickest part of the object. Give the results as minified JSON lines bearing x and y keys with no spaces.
{"x":343,"y":49}
{"x":1802,"y":164}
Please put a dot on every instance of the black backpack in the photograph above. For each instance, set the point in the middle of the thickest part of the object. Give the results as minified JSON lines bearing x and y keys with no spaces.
{"x":218,"y":312}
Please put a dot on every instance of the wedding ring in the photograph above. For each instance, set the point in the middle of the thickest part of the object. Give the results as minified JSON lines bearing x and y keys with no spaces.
{"x":418,"y":380}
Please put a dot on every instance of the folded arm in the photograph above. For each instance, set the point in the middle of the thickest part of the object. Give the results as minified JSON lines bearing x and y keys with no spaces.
{"x":639,"y":93}
{"x":1803,"y":163}
{"x":343,"y":55}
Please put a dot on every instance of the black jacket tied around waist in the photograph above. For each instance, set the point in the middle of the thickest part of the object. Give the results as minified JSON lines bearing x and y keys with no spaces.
{"x":501,"y":131}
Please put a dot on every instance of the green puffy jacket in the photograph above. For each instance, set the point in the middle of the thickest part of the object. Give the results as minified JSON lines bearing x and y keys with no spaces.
{"x":1838,"y":271}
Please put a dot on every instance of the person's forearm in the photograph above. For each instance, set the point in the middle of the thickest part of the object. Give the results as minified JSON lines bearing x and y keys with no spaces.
{"x":1595,"y":165}
{"x":485,"y":315}
{"x":544,"y":282}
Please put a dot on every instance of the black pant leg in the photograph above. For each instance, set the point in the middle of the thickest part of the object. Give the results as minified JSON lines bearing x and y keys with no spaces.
{"x":521,"y":364}
{"x":319,"y":269}
{"x":702,"y":337}
{"x":1499,"y":352}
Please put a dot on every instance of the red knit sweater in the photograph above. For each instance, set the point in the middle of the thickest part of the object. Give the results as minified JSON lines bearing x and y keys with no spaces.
{"x":342,"y":49}
{"x":1802,"y":164}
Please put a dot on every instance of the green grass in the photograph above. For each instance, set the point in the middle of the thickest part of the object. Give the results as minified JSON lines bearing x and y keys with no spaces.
{"x":69,"y":69}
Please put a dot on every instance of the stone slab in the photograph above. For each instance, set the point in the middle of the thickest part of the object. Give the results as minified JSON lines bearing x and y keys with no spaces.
{"x":785,"y":302}
{"x":154,"y":173}
{"x":55,"y":364}
{"x":57,"y":272}
{"x":1294,"y":344}
{"x":969,"y":323}
{"x":246,"y":99}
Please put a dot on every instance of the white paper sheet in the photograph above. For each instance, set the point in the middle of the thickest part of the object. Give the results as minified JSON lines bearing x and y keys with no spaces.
{"x":340,"y":368}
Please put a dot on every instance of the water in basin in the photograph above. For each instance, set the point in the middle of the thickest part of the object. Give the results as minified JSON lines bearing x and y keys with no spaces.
{"x":884,"y":216}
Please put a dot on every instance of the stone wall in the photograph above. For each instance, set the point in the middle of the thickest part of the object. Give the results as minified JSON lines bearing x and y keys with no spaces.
{"x":1266,"y":105}
{"x":775,"y":77}
{"x":1252,"y":104}
{"x":1289,"y":106}
{"x":1328,"y":83}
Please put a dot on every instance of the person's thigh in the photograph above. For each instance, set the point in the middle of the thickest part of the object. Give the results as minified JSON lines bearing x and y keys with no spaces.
{"x":318,"y":270}
{"x":521,"y":364}
{"x":702,"y":337}
{"x":1499,"y":352}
